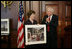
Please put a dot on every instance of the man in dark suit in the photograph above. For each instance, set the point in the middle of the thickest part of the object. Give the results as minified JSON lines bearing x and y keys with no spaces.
{"x":51,"y":22}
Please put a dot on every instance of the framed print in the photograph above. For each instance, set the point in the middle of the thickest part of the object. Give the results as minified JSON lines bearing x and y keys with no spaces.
{"x":35,"y":34}
{"x":4,"y":26}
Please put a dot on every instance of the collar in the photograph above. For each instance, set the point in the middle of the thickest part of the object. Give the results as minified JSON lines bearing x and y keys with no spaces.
{"x":51,"y":17}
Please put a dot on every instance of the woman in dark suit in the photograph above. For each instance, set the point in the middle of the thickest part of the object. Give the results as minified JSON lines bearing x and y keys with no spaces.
{"x":31,"y":21}
{"x":31,"y":18}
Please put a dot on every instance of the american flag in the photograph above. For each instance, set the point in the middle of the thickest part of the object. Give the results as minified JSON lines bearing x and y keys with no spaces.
{"x":20,"y":35}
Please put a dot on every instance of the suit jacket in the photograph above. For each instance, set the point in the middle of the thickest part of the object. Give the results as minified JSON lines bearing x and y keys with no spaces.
{"x":28,"y":22}
{"x":52,"y":34}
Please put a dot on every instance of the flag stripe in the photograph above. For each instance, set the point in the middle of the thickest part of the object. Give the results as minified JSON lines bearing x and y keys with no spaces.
{"x":20,"y":34}
{"x":20,"y":39}
{"x":20,"y":43}
{"x":23,"y":45}
{"x":20,"y":28}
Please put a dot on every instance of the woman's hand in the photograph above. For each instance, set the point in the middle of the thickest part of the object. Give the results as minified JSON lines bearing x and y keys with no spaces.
{"x":38,"y":24}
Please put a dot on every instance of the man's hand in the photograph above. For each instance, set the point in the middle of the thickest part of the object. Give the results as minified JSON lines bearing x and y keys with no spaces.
{"x":47,"y":20}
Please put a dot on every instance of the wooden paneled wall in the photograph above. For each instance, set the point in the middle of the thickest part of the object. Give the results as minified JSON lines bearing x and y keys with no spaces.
{"x":62,"y":9}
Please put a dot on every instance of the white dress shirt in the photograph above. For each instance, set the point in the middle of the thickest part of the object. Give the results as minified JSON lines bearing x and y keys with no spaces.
{"x":50,"y":17}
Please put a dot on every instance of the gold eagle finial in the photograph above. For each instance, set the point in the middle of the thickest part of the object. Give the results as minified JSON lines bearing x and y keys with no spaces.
{"x":6,"y":3}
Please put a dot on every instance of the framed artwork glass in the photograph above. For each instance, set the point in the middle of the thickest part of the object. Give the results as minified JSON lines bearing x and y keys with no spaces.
{"x":35,"y":34}
{"x":5,"y":27}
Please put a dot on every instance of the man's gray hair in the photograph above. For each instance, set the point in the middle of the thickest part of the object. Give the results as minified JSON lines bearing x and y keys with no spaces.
{"x":50,"y":9}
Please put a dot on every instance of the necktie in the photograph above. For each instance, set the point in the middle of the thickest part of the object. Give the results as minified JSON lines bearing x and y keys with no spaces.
{"x":48,"y":28}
